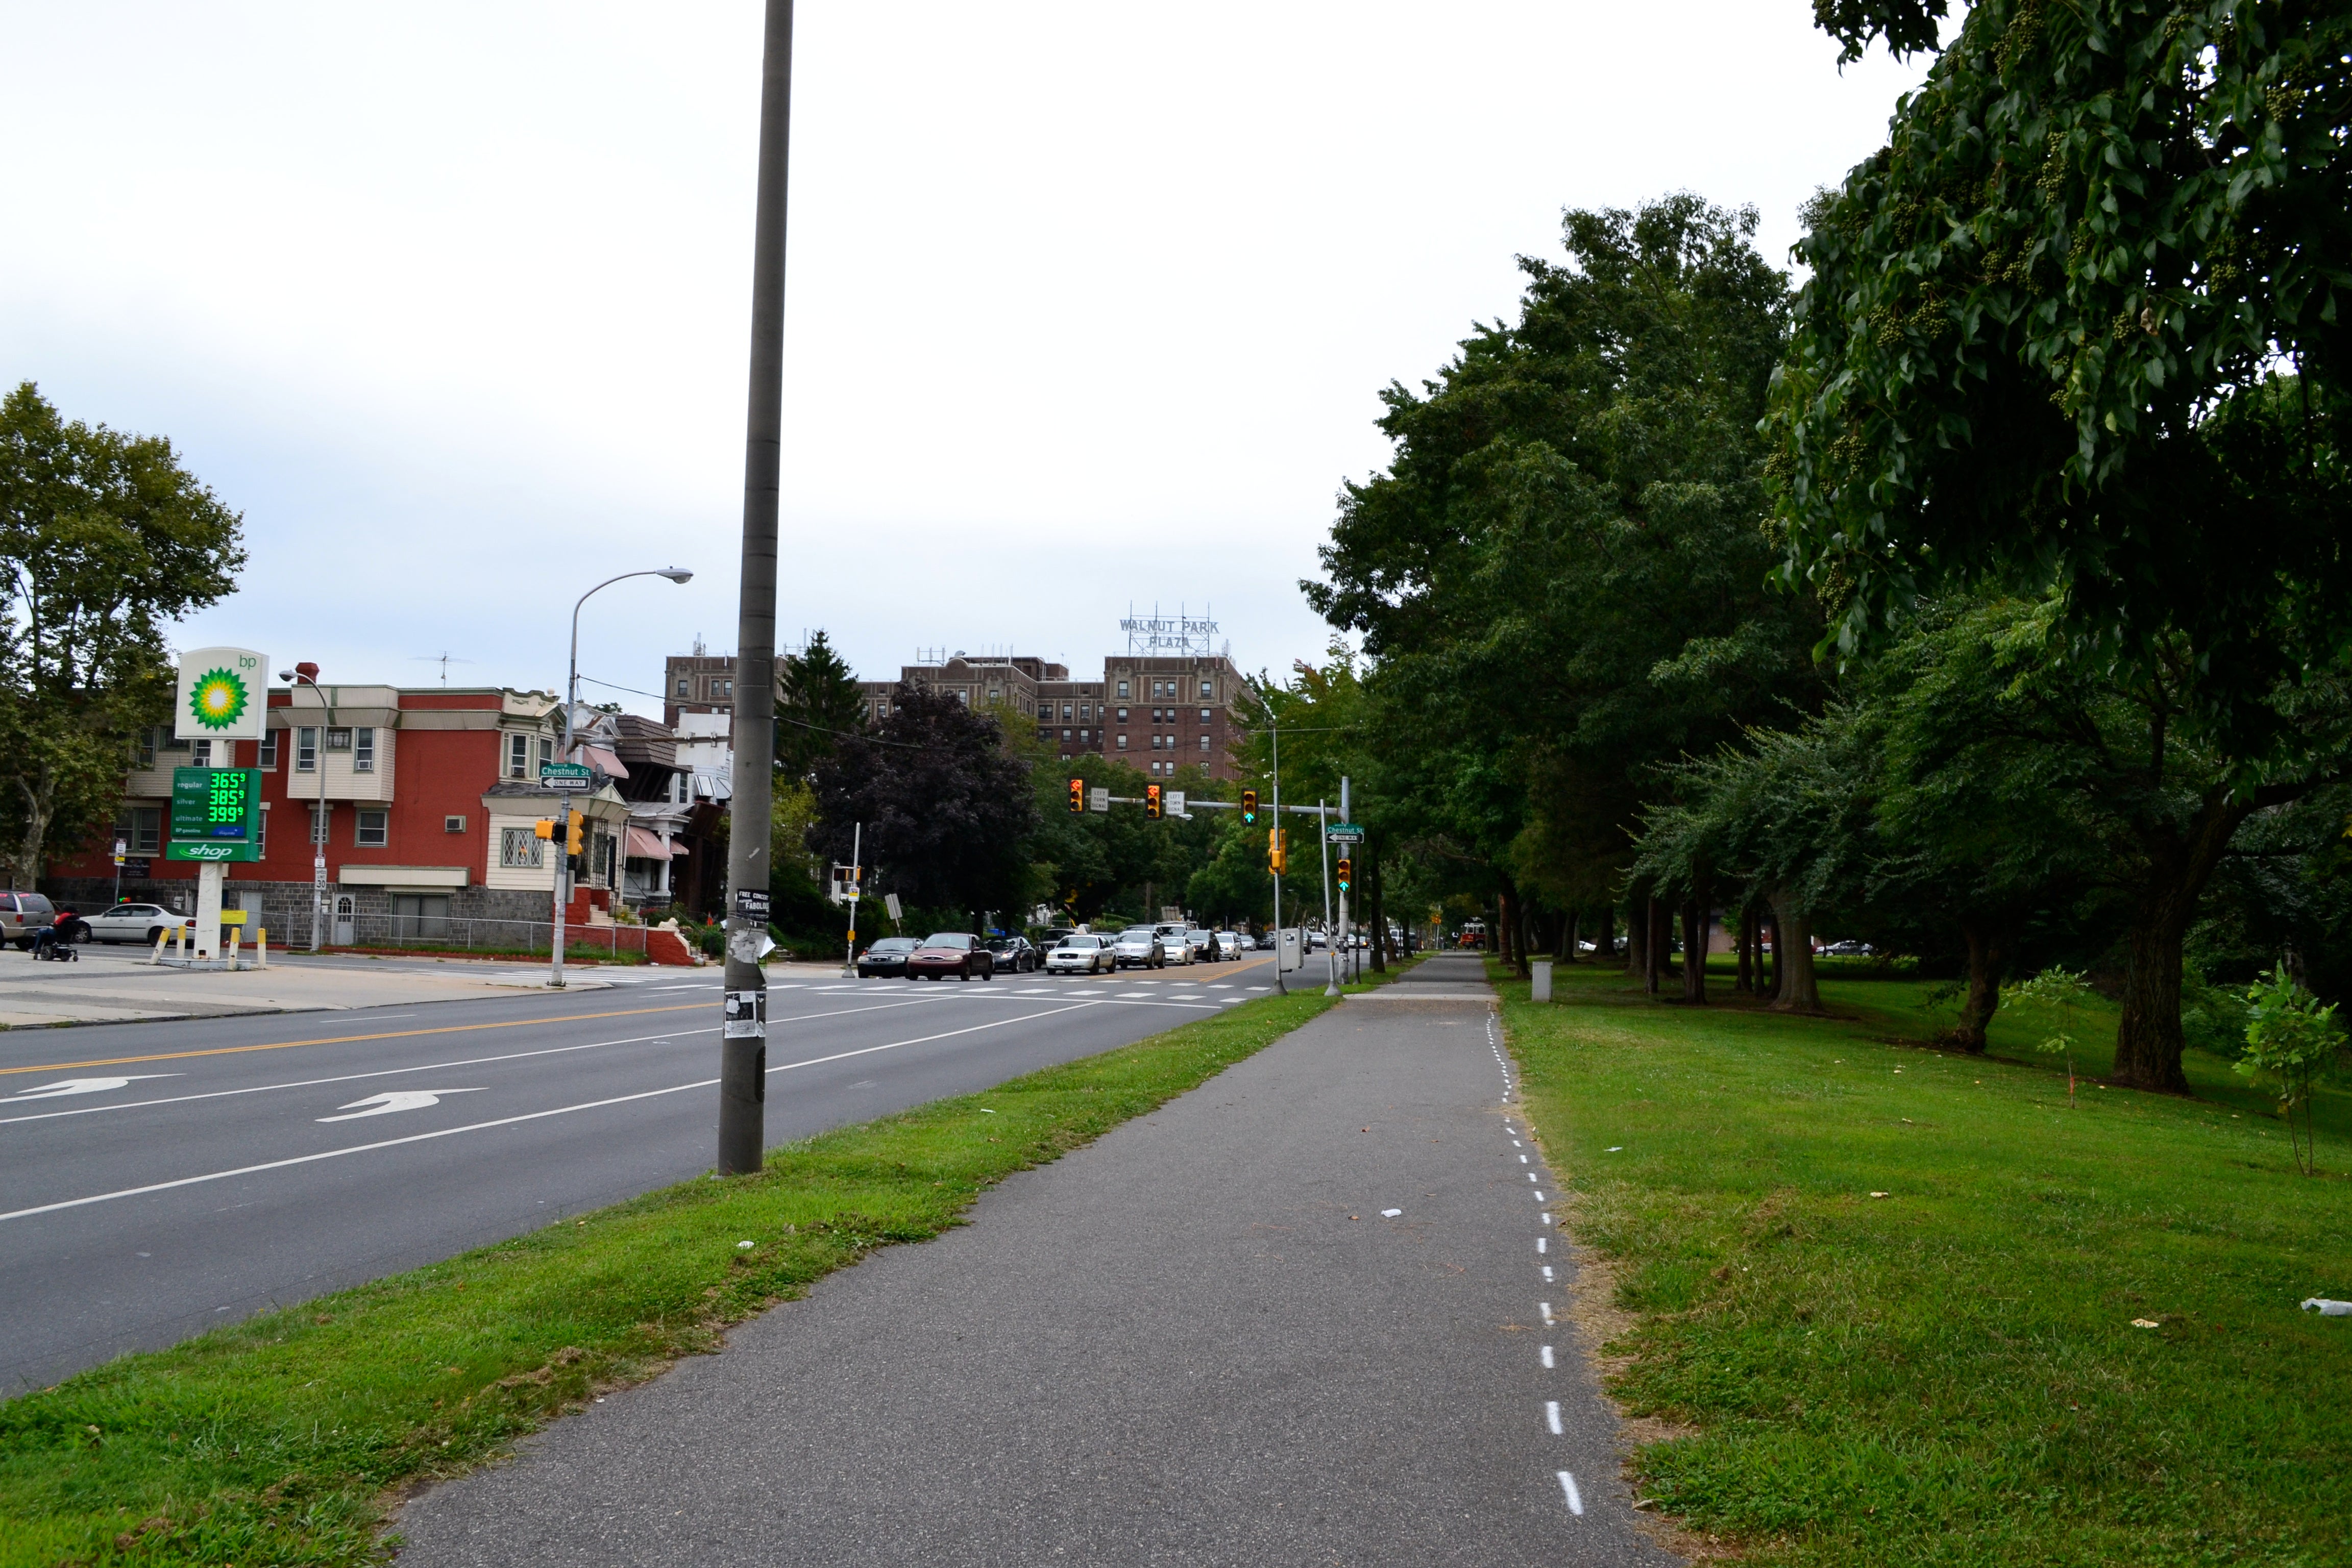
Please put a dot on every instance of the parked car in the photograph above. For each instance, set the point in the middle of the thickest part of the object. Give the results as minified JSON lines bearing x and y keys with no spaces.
{"x":136,"y":922}
{"x":1848,"y":950}
{"x":1203,"y":945}
{"x":1080,"y":954}
{"x":1171,"y":940}
{"x":1229,"y":944}
{"x":956,"y":952}
{"x":888,"y":956}
{"x":22,"y":914}
{"x":1013,"y":954}
{"x":1139,"y":947}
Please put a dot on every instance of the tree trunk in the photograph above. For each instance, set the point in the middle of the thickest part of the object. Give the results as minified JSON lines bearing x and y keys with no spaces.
{"x":1637,"y":941}
{"x":1792,"y":957}
{"x":1662,"y":936}
{"x":1569,"y":939}
{"x":2148,"y":1036}
{"x":1695,"y":923}
{"x":40,"y":803}
{"x":1376,"y":906}
{"x":1767,"y":966}
{"x":1745,"y":983}
{"x":1988,"y":966}
{"x":1604,"y":942}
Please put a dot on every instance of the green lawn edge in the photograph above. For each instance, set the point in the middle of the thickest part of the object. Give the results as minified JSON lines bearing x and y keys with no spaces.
{"x":287,"y":1438}
{"x":1948,"y":1374}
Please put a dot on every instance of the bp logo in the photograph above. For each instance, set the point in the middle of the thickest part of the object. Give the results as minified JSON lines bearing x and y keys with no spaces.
{"x":217,"y":698}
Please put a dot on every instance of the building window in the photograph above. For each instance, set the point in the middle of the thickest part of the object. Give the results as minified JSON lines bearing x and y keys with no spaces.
{"x":606,"y":855}
{"x":201,"y":756}
{"x":1122,"y":715}
{"x":1206,"y":690}
{"x":373,"y":830}
{"x":262,"y":829}
{"x":1082,"y":737}
{"x":1204,"y":742}
{"x":1065,"y":734}
{"x":1204,"y":715}
{"x":169,"y":742}
{"x":339,"y":737}
{"x":268,"y":758}
{"x":142,"y":830}
{"x":322,"y":819}
{"x":518,"y":755}
{"x":146,"y":748}
{"x":1122,"y":742}
{"x":546,"y":749}
{"x":306,"y":749}
{"x":1122,"y":691}
{"x":685,"y":688}
{"x":725,"y":688}
{"x":364,"y":750}
{"x":520,"y":849}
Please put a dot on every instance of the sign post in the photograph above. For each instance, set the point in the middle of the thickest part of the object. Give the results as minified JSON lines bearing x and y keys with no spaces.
{"x":567,"y":776}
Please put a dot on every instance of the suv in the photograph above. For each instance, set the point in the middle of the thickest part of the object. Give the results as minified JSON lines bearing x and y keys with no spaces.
{"x":22,"y":914}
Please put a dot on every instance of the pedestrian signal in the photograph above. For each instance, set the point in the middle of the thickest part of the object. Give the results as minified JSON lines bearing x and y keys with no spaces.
{"x":1152,"y":808}
{"x":1078,"y":794}
{"x":1346,"y":873}
{"x":1249,"y":808}
{"x":1274,"y":846}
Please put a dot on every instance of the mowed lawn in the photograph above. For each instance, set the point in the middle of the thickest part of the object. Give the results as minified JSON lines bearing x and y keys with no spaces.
{"x":1950,"y":1373}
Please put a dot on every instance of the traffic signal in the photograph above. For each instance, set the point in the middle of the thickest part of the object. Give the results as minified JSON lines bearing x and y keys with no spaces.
{"x":1152,"y":808}
{"x":1274,"y":856}
{"x":1249,"y":808}
{"x":574,"y":837}
{"x":570,"y":833}
{"x":1346,"y":873}
{"x":1078,"y":794}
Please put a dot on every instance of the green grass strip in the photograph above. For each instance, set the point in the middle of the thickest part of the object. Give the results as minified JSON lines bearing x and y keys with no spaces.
{"x":1950,"y":1373}
{"x":285,"y":1438}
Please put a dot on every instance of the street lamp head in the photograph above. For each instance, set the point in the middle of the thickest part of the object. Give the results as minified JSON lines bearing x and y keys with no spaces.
{"x":287,"y":675}
{"x":676,"y":573}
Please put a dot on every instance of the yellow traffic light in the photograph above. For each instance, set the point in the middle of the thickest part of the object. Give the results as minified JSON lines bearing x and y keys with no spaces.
{"x":544,"y":829}
{"x":1078,"y":794}
{"x":1346,"y":873}
{"x":1152,"y":808}
{"x":1249,"y":808}
{"x":574,"y":835}
{"x":1273,"y":850}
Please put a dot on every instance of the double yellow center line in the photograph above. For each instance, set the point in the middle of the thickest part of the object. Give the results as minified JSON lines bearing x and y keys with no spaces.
{"x":352,"y":1039}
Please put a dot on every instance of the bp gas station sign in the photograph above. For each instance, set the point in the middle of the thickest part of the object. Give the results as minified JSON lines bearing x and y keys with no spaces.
{"x":216,"y":814}
{"x":223,"y":697}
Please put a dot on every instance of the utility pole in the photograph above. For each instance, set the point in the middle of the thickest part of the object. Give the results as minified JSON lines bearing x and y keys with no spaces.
{"x":743,"y":1041}
{"x":856,"y":885}
{"x":1350,"y":962}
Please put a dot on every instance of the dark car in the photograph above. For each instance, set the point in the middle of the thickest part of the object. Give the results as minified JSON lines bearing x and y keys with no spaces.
{"x":956,"y":952}
{"x":888,"y":956}
{"x":1013,"y":954}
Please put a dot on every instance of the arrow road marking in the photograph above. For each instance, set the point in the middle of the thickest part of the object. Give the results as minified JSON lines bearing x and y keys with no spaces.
{"x":396,"y":1100}
{"x":84,"y":1086}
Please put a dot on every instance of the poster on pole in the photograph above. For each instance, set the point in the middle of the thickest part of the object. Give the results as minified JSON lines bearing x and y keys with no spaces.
{"x":223,"y":695}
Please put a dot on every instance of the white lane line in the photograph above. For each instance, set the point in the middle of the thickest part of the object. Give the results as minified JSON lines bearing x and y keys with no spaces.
{"x":1551,"y":1416}
{"x":1542,"y":1244}
{"x":1531,"y":1176}
{"x":435,"y":1066}
{"x":1523,"y":1159}
{"x":1567,"y":1485}
{"x":1539,"y":1197}
{"x":484,"y":1126}
{"x":1546,"y":1355}
{"x":1545,"y":1217}
{"x":1547,"y":1273}
{"x":1545,"y":1308}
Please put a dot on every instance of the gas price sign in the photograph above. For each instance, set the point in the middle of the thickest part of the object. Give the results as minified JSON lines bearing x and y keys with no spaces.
{"x":214,"y":811}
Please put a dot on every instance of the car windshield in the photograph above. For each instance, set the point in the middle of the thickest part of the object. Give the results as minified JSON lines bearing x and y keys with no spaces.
{"x":1002,"y":944}
{"x":954,"y":939}
{"x":894,"y":944}
{"x":1140,"y":934}
{"x":1079,"y":943}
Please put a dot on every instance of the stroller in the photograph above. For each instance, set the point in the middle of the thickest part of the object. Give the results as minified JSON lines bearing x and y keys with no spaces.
{"x":59,"y":941}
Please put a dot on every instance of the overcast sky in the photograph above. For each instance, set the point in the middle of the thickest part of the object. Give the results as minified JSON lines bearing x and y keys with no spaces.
{"x":1088,"y":304}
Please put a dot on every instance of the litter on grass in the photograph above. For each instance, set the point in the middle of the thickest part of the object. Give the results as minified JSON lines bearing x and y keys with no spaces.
{"x":2327,"y":1309}
{"x":1614,"y":1149}
{"x":742,"y":1247}
{"x":2145,"y":1323}
{"x":1878,"y":1194}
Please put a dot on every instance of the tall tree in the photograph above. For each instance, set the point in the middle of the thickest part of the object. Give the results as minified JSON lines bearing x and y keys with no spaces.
{"x":105,"y":539}
{"x":2038,"y":355}
{"x":948,"y":813}
{"x":818,"y":701}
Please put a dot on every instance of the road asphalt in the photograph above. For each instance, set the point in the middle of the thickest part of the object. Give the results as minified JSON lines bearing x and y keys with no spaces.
{"x":1305,"y":1314}
{"x":158,"y":1178}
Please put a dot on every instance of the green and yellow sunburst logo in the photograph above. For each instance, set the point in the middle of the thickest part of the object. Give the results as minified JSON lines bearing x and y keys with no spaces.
{"x":217,"y":698}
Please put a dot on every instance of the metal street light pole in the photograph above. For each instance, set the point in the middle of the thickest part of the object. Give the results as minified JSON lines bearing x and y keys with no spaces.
{"x":1330,"y":938}
{"x":743,"y":1039}
{"x":556,"y":933}
{"x":1276,"y":731}
{"x":306,"y":674}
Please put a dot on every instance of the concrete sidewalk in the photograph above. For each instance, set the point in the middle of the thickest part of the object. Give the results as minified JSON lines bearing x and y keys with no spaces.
{"x":1197,"y":1341}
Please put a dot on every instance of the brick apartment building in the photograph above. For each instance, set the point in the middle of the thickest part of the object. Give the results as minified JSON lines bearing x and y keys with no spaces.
{"x":1157,"y":712}
{"x":430,"y":800}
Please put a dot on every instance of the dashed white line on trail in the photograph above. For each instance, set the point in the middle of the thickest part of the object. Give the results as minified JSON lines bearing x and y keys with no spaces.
{"x":1523,"y":1159}
{"x":1542,"y":1244}
{"x":1552,"y":1417}
{"x":1546,"y":1355}
{"x":1546,"y":1217}
{"x":1547,"y":1272}
{"x":1539,"y":1197}
{"x":1545,"y":1308}
{"x":1531,"y":1176}
{"x":1567,"y":1485}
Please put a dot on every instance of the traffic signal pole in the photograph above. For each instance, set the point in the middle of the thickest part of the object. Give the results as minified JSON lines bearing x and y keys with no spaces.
{"x":1276,"y":731}
{"x":743,"y":1040}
